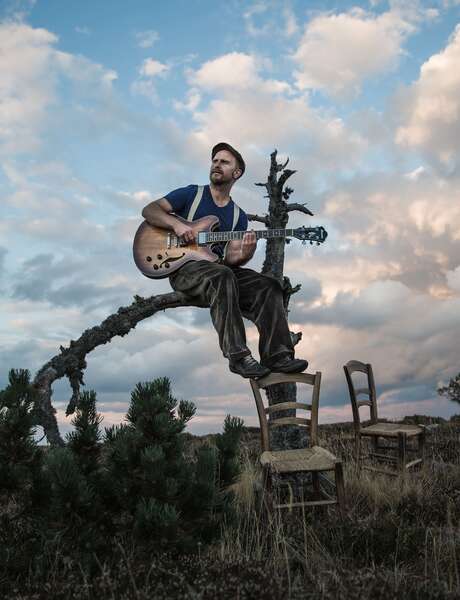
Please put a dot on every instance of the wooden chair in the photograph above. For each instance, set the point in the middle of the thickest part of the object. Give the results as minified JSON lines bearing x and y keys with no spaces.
{"x":312,"y":459}
{"x":396,"y":454}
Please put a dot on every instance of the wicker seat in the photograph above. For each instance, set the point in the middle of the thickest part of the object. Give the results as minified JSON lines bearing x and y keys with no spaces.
{"x":312,"y":459}
{"x":290,"y":461}
{"x":400,"y":456}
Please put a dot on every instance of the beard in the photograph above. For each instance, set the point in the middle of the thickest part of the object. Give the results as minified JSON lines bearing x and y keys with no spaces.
{"x":218,"y":178}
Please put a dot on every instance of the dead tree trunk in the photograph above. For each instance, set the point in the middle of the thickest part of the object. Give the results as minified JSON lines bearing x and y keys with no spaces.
{"x":288,"y":436}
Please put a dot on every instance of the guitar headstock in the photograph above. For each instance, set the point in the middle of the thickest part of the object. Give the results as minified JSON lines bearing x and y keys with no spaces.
{"x":310,"y":234}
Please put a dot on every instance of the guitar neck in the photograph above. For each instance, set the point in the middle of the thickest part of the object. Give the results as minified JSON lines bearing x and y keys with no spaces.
{"x":226,"y":236}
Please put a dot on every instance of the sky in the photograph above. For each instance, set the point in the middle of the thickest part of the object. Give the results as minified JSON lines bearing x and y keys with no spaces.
{"x":105,"y":106}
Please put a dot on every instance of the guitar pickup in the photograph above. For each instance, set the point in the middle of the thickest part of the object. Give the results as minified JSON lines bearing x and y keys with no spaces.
{"x":201,"y":239}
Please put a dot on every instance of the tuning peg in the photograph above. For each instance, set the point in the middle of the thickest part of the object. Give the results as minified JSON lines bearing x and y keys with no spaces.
{"x":317,"y":243}
{"x":311,"y":243}
{"x":303,"y":242}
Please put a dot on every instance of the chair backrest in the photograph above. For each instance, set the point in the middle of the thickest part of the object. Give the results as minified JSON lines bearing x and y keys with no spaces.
{"x":263,"y":411}
{"x":354,"y":366}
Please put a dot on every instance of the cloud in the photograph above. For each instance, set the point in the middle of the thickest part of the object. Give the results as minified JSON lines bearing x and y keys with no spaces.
{"x":30,"y":72}
{"x":253,"y":17}
{"x":64,"y":282}
{"x":148,"y":71}
{"x":151,"y":67}
{"x":453,"y":279}
{"x":262,"y":19}
{"x":135,"y":200}
{"x":83,"y":30}
{"x":431,"y":107}
{"x":291,"y":26}
{"x":371,"y":308}
{"x":18,"y":10}
{"x":3,"y":253}
{"x":192,"y":102}
{"x":146,"y":39}
{"x":257,"y":114}
{"x":235,"y":70}
{"x":338,"y":52}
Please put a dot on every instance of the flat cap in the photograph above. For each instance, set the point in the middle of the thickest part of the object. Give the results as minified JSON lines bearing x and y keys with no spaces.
{"x":224,"y":146}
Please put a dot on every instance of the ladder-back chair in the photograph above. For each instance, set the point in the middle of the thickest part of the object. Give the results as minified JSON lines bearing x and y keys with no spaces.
{"x":311,"y":459}
{"x":399,"y":455}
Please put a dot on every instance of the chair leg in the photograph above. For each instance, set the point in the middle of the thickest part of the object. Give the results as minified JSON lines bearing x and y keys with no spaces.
{"x":267,"y":489}
{"x":340,"y":487}
{"x":316,"y":484}
{"x":421,"y":446}
{"x":375,"y":444}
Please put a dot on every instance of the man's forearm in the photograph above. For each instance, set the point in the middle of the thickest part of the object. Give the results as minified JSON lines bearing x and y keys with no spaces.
{"x":155,"y":215}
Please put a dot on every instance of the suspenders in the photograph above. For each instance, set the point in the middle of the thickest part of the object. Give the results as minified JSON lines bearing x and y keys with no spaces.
{"x":236,"y":215}
{"x":196,"y":203}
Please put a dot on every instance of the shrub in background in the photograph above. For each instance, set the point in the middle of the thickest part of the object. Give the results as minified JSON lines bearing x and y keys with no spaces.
{"x":134,"y":483}
{"x":19,"y":455}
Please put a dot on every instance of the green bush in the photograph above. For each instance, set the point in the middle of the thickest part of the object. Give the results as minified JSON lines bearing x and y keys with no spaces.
{"x":132,"y":484}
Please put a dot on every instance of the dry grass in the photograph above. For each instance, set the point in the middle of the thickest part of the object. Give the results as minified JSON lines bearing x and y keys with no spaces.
{"x":398,"y":538}
{"x":396,"y":541}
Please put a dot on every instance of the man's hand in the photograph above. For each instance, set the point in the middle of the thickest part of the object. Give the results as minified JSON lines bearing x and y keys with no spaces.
{"x":248,"y":244}
{"x":184,"y":231}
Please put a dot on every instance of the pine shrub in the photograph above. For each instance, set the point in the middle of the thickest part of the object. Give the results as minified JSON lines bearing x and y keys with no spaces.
{"x":135,"y":484}
{"x":19,"y":455}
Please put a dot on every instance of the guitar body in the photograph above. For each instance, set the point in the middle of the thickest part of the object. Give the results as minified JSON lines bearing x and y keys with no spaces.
{"x":158,"y":252}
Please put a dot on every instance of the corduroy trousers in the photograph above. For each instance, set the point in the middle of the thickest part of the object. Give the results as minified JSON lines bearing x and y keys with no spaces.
{"x":233,"y":293}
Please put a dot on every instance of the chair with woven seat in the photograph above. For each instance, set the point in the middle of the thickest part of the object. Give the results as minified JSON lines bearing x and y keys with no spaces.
{"x":401,"y":455}
{"x":312,"y":459}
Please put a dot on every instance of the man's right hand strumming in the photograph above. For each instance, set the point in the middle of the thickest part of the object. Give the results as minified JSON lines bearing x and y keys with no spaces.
{"x":184,"y":231}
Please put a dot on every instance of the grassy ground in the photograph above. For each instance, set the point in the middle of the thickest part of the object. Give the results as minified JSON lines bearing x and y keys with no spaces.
{"x":397,"y":540}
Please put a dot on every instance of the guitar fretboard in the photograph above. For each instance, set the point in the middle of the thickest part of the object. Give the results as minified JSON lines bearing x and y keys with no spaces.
{"x":225,"y":236}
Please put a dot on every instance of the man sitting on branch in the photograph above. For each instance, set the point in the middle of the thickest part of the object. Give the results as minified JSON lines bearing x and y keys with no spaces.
{"x":232,"y":292}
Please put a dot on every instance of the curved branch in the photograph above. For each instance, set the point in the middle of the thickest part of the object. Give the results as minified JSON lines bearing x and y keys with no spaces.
{"x":71,"y":361}
{"x":281,"y":167}
{"x":295,"y":337}
{"x":284,"y":177}
{"x":300,"y":207}
{"x":264,"y":220}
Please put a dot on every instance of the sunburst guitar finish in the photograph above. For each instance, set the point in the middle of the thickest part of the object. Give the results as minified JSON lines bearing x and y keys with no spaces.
{"x":159,"y":252}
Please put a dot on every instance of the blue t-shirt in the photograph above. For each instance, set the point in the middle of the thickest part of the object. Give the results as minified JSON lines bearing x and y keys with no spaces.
{"x":182,"y":199}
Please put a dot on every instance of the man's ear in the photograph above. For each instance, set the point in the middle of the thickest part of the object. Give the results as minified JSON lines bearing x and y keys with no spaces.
{"x":237,"y":173}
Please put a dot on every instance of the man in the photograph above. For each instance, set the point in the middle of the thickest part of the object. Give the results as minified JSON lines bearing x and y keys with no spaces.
{"x":230,"y":290}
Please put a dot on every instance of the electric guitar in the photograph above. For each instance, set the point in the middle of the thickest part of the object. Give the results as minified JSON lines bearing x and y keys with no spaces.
{"x":159,"y":252}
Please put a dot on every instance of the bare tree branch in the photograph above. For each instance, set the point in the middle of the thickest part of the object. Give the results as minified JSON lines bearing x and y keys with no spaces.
{"x":296,"y":337}
{"x":285,"y":176}
{"x":264,"y":220}
{"x":300,"y":207}
{"x":280,"y":167}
